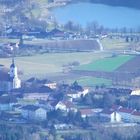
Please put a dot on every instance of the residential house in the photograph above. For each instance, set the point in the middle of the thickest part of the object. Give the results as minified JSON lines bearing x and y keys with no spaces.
{"x":136,"y":92}
{"x":136,"y":117}
{"x":77,"y":95}
{"x":126,"y":114}
{"x":36,"y":96}
{"x":86,"y":113}
{"x":63,"y":126}
{"x":51,"y":85}
{"x":66,"y":106}
{"x":33,"y":112}
{"x":111,"y":116}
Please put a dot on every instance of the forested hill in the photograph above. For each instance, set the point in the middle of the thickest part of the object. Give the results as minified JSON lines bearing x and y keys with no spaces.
{"x":126,"y":3}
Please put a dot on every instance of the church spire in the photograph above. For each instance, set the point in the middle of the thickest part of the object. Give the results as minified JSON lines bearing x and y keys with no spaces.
{"x":13,"y":63}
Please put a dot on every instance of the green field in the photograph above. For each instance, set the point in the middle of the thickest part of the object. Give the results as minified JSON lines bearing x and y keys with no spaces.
{"x":92,"y":81}
{"x":107,"y":64}
{"x":88,"y":81}
{"x":50,"y":63}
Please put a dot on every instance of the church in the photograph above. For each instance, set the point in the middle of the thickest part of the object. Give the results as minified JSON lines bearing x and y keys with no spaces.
{"x":9,"y":78}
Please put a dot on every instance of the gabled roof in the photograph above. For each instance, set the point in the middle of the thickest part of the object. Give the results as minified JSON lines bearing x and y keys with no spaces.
{"x":33,"y":79}
{"x":136,"y":113}
{"x":44,"y":89}
{"x":106,"y":111}
{"x":126,"y":110}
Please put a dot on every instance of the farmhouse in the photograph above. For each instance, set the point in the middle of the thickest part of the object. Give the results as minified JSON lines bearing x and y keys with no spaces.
{"x":112,"y":116}
{"x":76,"y":95}
{"x":66,"y":106}
{"x":86,"y":113}
{"x":126,"y":114}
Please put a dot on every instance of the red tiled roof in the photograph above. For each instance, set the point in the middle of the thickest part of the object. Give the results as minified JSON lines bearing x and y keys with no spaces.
{"x":107,"y":111}
{"x":86,"y":111}
{"x":126,"y":110}
{"x":136,"y":113}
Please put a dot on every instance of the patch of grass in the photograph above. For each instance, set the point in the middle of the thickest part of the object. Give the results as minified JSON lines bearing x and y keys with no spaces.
{"x":92,"y":81}
{"x":107,"y":64}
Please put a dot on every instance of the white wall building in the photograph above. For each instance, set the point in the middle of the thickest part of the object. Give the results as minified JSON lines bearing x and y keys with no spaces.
{"x":33,"y":112}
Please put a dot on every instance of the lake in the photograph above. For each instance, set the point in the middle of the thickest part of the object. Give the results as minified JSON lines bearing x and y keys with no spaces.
{"x":107,"y":16}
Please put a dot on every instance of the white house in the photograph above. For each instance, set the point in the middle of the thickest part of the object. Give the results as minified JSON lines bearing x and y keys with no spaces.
{"x":65,"y":106}
{"x":77,"y":95}
{"x":86,"y":113}
{"x":126,"y":114}
{"x":33,"y":112}
{"x":112,"y":116}
{"x":136,"y":92}
{"x":115,"y":117}
{"x":51,"y":85}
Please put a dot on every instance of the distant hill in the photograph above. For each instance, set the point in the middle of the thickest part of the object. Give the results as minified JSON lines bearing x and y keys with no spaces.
{"x":126,"y":3}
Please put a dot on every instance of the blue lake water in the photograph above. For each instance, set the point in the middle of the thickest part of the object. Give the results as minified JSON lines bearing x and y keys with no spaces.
{"x":107,"y":16}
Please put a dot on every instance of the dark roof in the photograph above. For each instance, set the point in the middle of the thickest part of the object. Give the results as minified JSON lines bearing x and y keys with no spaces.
{"x":136,"y":113}
{"x":44,"y":89}
{"x":56,"y":32}
{"x":30,"y":107}
{"x":106,"y":111}
{"x":33,"y":79}
{"x":126,"y":110}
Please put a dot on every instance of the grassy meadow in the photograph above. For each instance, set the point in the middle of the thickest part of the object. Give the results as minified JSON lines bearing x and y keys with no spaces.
{"x":107,"y":64}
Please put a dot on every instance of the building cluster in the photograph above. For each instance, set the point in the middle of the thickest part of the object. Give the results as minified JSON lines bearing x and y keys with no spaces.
{"x":37,"y":98}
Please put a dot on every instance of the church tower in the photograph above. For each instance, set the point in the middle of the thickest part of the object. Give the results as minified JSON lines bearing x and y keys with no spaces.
{"x":13,"y":73}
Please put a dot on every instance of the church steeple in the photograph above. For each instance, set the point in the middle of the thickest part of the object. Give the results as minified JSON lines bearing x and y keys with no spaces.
{"x":13,"y":63}
{"x":16,"y":83}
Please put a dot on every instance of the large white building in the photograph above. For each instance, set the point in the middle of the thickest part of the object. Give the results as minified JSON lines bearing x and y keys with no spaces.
{"x":9,"y":78}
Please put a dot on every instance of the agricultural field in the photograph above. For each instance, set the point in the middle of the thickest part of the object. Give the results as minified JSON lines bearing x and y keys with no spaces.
{"x":115,"y":43}
{"x":88,"y":81}
{"x":108,"y":64}
{"x":51,"y":63}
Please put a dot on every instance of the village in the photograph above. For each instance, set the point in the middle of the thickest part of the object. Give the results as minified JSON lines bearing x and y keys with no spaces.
{"x":60,"y":106}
